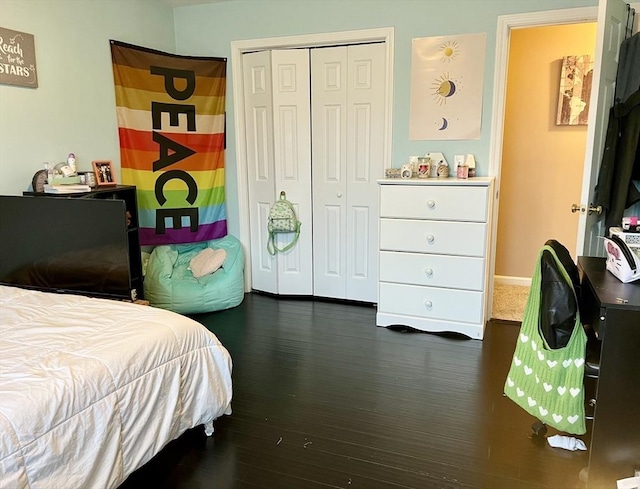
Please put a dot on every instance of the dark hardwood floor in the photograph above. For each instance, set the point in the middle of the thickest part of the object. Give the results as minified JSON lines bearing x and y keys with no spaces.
{"x":324,"y":398}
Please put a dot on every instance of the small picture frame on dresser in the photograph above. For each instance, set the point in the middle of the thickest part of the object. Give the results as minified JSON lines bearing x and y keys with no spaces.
{"x":105,"y":174}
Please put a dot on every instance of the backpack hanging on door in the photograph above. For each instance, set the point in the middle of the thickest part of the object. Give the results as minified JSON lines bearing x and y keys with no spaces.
{"x":282,"y":219}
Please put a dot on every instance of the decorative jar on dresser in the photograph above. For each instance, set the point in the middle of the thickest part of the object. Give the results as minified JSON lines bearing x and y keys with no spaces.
{"x":434,"y":254}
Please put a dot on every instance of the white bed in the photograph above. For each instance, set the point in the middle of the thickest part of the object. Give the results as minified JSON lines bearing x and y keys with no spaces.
{"x":92,"y":389}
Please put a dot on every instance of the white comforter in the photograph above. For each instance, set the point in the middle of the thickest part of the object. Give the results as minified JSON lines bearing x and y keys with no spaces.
{"x":91,"y":389}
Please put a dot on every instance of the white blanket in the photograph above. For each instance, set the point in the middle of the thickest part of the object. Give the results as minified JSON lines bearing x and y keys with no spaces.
{"x":91,"y":389}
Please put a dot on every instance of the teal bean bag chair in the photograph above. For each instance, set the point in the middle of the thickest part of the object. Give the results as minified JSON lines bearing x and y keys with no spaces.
{"x":179,"y":278}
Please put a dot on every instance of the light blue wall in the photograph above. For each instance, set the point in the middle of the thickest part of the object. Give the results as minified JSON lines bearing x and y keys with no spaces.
{"x":73,"y":108}
{"x":209,"y":29}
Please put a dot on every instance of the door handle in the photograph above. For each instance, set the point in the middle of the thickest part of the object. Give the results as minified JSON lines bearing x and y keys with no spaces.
{"x":597,"y":209}
{"x":583,"y":208}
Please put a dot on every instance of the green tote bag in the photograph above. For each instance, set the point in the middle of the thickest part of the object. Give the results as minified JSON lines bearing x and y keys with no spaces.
{"x":548,"y":383}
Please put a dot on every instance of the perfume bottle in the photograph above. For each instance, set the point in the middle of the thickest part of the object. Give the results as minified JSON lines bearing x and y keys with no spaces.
{"x":49,"y":169}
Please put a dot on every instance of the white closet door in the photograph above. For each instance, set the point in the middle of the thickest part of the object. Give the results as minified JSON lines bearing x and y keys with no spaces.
{"x":329,"y":120}
{"x":260,"y":174}
{"x":277,"y":114}
{"x":292,"y":156}
{"x":347,"y":87}
{"x":365,"y":139}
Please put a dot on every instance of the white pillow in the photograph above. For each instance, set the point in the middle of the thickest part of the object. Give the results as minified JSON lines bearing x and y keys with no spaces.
{"x":206,"y":262}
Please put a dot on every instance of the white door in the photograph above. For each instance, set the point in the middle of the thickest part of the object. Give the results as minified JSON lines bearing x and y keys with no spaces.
{"x":348,"y":87}
{"x":292,"y":157}
{"x":338,"y":210}
{"x":612,"y":15}
{"x":260,"y":173}
{"x":276,"y":92}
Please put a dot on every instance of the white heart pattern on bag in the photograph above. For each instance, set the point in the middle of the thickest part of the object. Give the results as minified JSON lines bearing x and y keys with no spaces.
{"x":557,"y":417}
{"x":547,"y":387}
{"x":517,"y":361}
{"x":567,"y":362}
{"x":532,"y":402}
{"x":533,"y":345}
{"x":540,"y":356}
{"x":574,"y":391}
{"x":572,"y":419}
{"x":561,"y":390}
{"x":543,"y":411}
{"x":537,"y":379}
{"x":510,"y":382}
{"x":552,"y":363}
{"x":519,"y":392}
{"x":528,"y":370}
{"x":578,"y":362}
{"x":524,"y":338}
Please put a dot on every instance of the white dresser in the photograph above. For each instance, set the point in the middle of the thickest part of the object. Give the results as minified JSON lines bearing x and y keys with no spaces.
{"x":434,"y":254}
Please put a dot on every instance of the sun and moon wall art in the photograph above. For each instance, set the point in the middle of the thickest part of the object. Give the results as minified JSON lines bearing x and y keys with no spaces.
{"x":447,"y":75}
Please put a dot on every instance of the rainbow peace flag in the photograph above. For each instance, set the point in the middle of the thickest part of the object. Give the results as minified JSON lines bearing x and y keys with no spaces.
{"x":171,"y":124}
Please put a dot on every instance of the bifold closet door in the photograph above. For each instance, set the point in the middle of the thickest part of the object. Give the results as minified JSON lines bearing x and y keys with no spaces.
{"x":277,"y":114}
{"x":347,"y":96}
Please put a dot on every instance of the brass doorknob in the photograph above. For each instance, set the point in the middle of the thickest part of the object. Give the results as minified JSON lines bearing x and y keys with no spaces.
{"x":583,"y":208}
{"x":597,"y":209}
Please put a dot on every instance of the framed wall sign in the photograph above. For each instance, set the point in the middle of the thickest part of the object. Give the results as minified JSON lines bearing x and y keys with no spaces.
{"x":17,"y":59}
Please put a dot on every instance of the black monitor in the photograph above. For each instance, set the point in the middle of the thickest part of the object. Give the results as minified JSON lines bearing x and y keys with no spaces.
{"x":66,"y":245}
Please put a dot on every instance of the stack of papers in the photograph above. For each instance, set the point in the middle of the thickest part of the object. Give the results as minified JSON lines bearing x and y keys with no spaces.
{"x":66,"y":189}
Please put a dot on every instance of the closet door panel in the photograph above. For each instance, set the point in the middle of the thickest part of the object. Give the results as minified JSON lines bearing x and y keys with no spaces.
{"x":329,"y":119}
{"x":365,"y":136}
{"x":261,"y":178}
{"x":292,"y":156}
{"x":331,"y":250}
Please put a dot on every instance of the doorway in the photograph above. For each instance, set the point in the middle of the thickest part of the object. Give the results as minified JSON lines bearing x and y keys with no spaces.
{"x":506,"y":25}
{"x":542,"y":161}
{"x":610,"y":15}
{"x":314,"y":132}
{"x":239,"y":48}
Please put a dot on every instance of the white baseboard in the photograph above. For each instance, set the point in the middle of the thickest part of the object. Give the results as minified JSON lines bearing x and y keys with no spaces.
{"x":505,"y":280}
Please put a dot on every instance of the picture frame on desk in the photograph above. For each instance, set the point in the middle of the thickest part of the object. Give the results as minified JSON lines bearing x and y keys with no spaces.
{"x":105,"y":174}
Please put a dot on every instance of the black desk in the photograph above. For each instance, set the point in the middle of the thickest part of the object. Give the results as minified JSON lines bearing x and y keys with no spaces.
{"x":615,"y":437}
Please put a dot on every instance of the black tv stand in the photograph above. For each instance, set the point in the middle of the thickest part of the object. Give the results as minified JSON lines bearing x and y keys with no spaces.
{"x":127,"y":194}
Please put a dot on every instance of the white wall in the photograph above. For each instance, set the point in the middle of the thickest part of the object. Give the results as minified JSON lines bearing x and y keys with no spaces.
{"x":73,"y":108}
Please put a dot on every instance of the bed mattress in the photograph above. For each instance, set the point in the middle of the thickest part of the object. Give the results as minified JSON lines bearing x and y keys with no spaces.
{"x":91,"y":389}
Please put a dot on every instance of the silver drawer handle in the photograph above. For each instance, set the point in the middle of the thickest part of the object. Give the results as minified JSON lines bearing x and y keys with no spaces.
{"x":430,"y":238}
{"x":429,"y":272}
{"x":429,"y":304}
{"x":431,"y":204}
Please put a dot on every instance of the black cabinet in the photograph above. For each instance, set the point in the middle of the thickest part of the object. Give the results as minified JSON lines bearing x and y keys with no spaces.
{"x":612,"y":309}
{"x":127,"y":194}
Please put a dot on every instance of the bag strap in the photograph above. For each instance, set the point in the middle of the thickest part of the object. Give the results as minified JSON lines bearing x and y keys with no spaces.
{"x":533,"y":301}
{"x":272,"y":248}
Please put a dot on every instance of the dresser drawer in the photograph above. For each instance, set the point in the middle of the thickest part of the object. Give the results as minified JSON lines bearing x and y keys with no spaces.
{"x":440,"y":237}
{"x":434,"y":202}
{"x":431,"y":302}
{"x":456,"y":272}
